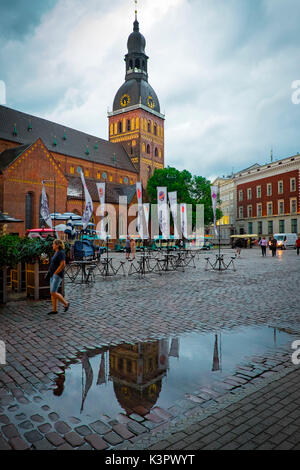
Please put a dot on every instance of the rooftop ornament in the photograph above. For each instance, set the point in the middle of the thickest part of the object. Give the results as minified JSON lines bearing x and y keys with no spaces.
{"x":65,"y":136}
{"x":54,"y":141}
{"x":29,"y":128}
{"x":87,"y":152}
{"x":15,"y":132}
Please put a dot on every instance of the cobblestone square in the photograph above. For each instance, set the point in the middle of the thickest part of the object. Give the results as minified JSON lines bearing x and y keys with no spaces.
{"x":255,"y":407}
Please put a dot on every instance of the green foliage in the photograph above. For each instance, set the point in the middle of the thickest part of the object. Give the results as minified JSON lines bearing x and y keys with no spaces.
{"x":14,"y":249}
{"x":190,"y":189}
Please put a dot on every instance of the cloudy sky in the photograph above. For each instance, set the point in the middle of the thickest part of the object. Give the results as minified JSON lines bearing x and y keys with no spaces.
{"x":223,"y":71}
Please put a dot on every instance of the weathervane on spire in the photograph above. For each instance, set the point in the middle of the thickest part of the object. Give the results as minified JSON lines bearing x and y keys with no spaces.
{"x":135,"y":1}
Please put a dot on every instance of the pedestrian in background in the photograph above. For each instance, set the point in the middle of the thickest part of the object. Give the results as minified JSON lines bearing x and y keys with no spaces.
{"x":273,"y":246}
{"x":127,"y":248}
{"x":238,"y":247}
{"x":298,"y":245}
{"x":263,"y":243}
{"x":132,"y":248}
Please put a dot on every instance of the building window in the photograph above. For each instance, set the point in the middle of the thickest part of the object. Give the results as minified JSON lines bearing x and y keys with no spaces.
{"x":98,"y":175}
{"x":281,"y":226}
{"x":280,"y":187}
{"x":29,"y":211}
{"x":250,"y":227}
{"x":293,"y":184}
{"x":270,"y":227}
{"x":281,"y":207}
{"x":294,"y":226}
{"x":293,"y":206}
{"x":72,"y":170}
{"x":258,"y":192}
{"x":240,"y":195}
{"x":86,"y":173}
{"x":259,"y":227}
{"x":156,"y":152}
{"x":119,"y":127}
{"x":148,"y":149}
{"x":249,"y":193}
{"x":128,"y":125}
{"x":149,"y":126}
{"x":241,"y":212}
{"x":155,"y":129}
{"x":270,"y":208}
{"x":259,"y":210}
{"x":249,"y":211}
{"x":269,"y":189}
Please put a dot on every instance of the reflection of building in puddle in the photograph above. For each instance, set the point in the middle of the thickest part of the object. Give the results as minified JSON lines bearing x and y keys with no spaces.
{"x":137,"y":372}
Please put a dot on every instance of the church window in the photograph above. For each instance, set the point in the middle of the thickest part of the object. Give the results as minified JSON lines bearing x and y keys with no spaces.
{"x":124,"y":125}
{"x":155,"y":129}
{"x":128,"y":125}
{"x":111,"y":129}
{"x":86,"y":172}
{"x":144,"y":65}
{"x":156,"y":152}
{"x":116,"y":128}
{"x":132,"y":124}
{"x":130,"y":64}
{"x":137,"y":123}
{"x":119,"y":127}
{"x":149,"y":126}
{"x":98,"y":175}
{"x":29,"y":210}
{"x":148,"y":149}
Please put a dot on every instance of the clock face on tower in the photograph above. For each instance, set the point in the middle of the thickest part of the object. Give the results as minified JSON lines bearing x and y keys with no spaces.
{"x":150,"y":102}
{"x":125,"y":100}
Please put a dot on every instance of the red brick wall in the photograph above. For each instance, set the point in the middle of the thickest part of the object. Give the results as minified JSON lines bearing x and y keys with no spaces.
{"x":286,"y":195}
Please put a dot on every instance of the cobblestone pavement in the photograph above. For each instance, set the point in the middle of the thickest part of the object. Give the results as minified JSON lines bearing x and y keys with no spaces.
{"x":256,"y":407}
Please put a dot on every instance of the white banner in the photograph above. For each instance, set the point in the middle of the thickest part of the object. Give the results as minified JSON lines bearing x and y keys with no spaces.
{"x":214,"y":196}
{"x":163,"y":219}
{"x":140,"y":217}
{"x":173,"y":206}
{"x":183,"y":215}
{"x":101,"y":194}
{"x":45,"y":213}
{"x":146,"y":207}
{"x":88,"y":211}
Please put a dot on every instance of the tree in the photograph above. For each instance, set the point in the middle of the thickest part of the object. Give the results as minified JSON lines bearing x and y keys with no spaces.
{"x":190,"y":189}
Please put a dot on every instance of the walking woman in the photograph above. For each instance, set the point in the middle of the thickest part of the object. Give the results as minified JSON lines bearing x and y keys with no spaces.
{"x":56,"y":272}
{"x":263,"y":243}
{"x":132,"y":248}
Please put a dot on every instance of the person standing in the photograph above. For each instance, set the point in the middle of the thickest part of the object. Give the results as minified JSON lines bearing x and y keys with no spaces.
{"x":56,"y":273}
{"x":263,"y":243}
{"x":273,"y":246}
{"x":132,"y":248}
{"x":298,"y":245}
{"x":127,"y":248}
{"x":238,"y":247}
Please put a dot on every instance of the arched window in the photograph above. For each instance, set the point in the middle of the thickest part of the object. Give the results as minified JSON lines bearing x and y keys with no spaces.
{"x":29,"y":210}
{"x":155,"y":129}
{"x":156,"y":152}
{"x":128,"y":125}
{"x":148,"y":149}
{"x":119,"y":127}
{"x":149,"y":126}
{"x":137,"y":63}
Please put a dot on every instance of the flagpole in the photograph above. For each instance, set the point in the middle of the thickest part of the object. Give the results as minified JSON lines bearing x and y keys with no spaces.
{"x":219,"y":230}
{"x":54,"y":201}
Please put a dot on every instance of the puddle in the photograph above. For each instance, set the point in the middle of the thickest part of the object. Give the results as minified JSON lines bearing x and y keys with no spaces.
{"x":134,"y":378}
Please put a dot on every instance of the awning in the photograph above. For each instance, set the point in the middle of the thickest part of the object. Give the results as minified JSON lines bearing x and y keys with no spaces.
{"x":6,"y":219}
{"x":245,"y":235}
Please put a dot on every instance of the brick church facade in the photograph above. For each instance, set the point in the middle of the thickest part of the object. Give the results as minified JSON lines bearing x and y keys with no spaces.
{"x":34,"y":149}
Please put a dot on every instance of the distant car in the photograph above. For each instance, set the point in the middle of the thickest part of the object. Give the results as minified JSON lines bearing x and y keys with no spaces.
{"x":41,"y":233}
{"x":206,"y":246}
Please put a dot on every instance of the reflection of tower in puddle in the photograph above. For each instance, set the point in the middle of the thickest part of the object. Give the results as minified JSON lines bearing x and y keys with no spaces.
{"x":137,"y":372}
{"x":217,"y":356}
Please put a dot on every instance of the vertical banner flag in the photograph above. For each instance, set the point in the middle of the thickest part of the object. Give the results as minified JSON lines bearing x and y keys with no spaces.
{"x":45,"y":213}
{"x":183,"y":215}
{"x":214,"y":195}
{"x":216,"y":361}
{"x":146,"y":207}
{"x":86,"y":366}
{"x":140,"y":217}
{"x":88,"y":211}
{"x":173,"y":206}
{"x":101,"y":194}
{"x":163,"y":354}
{"x":101,"y":375}
{"x":163,"y":211}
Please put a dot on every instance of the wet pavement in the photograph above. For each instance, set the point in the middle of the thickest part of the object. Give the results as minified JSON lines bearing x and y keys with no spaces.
{"x":185,"y":360}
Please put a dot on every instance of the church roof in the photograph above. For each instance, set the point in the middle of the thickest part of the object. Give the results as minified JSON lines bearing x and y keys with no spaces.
{"x":112,"y":190}
{"x":139,"y":92}
{"x":8,"y":156}
{"x":22,"y":128}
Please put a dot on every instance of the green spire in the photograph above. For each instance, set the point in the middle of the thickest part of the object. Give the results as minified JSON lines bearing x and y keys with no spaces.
{"x":29,"y":128}
{"x":54,"y":141}
{"x":87,"y":152}
{"x":15,"y":132}
{"x":65,"y":136}
{"x":96,"y":146}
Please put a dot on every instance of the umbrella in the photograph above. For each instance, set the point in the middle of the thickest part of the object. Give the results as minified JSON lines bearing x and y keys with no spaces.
{"x":60,"y":227}
{"x":68,"y":215}
{"x":7,"y":219}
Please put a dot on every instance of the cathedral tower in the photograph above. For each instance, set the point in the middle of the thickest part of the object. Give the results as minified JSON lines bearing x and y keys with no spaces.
{"x":135,"y":120}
